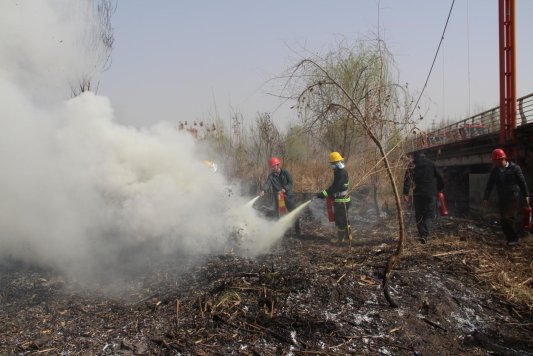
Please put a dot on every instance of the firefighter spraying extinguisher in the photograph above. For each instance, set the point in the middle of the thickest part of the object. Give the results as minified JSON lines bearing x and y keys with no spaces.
{"x":338,"y":198}
{"x":279,"y":181}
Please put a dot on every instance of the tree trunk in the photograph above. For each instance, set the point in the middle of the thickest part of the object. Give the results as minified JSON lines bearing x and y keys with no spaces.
{"x":395,"y":257}
{"x":375,"y":189}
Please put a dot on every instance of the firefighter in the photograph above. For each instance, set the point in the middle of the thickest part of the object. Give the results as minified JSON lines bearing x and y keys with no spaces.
{"x":339,"y":191}
{"x":428,"y":182}
{"x":509,"y":181}
{"x":280,"y":181}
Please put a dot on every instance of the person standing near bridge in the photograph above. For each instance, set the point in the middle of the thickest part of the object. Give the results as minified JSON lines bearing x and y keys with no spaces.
{"x":427,"y":181}
{"x":509,"y":181}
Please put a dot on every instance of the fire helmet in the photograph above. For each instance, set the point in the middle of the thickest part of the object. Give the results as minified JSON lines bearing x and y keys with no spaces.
{"x":274,"y":161}
{"x":498,"y":154}
{"x":335,"y":157}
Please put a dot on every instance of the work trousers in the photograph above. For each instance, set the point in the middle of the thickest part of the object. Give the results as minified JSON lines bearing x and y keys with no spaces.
{"x":341,"y":218}
{"x":424,"y":213}
{"x":508,"y":219}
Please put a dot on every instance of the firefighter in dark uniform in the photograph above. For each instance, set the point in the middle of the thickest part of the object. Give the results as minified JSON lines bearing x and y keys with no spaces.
{"x":280,"y":181}
{"x":509,"y":181}
{"x":341,"y":200}
{"x":428,"y":182}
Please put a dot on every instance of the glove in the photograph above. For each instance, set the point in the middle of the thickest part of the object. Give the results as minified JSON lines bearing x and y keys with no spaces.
{"x":320,"y":195}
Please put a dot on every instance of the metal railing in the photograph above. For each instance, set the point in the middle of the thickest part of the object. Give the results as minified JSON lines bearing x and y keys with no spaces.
{"x":484,"y":123}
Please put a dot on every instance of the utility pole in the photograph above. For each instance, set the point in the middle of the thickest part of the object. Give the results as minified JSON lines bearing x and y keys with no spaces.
{"x":507,"y":12}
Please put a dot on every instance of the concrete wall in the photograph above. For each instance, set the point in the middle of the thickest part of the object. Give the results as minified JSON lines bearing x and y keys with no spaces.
{"x":477,"y":183}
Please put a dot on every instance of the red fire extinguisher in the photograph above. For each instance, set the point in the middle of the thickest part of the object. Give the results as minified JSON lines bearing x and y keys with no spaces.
{"x":329,"y":207}
{"x":282,"y":209}
{"x":443,"y":210}
{"x":528,"y":217}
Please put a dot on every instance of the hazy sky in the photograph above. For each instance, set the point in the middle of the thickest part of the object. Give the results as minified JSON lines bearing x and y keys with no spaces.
{"x":185,"y":60}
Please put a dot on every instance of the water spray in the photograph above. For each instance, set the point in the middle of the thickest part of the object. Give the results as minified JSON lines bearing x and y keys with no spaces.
{"x":288,"y":220}
{"x":251,"y":202}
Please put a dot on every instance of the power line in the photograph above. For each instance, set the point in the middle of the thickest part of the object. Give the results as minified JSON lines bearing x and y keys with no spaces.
{"x":468,"y":52}
{"x":434,"y":59}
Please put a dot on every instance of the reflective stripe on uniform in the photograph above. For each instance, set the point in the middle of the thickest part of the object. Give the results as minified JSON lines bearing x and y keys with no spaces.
{"x":325,"y":193}
{"x":342,"y":200}
{"x":340,"y":194}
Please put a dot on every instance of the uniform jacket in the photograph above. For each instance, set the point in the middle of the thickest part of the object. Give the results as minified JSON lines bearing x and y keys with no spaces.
{"x":339,"y":188}
{"x":509,"y":182}
{"x":283,"y":180}
{"x":426,"y":177}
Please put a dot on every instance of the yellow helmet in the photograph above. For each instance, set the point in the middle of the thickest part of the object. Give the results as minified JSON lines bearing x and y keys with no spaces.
{"x":335,"y":157}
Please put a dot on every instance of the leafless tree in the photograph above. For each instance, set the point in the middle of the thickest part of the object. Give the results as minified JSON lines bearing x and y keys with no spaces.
{"x":97,"y":41}
{"x":350,"y":97}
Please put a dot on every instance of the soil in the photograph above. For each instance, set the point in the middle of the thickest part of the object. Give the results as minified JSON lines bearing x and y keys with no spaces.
{"x":464,"y":292}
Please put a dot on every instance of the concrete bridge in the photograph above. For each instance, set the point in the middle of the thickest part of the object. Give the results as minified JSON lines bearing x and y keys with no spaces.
{"x":462,"y":151}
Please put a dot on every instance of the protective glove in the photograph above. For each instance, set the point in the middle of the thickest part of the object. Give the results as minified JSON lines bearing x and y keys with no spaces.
{"x":320,"y":195}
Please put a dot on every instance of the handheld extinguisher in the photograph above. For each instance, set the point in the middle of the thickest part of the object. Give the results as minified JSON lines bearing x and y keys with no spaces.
{"x":329,"y":207}
{"x":282,"y":209}
{"x":443,"y":210}
{"x":528,"y":217}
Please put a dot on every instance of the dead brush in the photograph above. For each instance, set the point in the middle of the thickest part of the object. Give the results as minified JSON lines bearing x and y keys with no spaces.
{"x":509,"y":272}
{"x":310,"y":176}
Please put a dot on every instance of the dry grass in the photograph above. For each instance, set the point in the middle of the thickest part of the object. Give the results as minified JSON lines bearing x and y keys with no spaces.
{"x":482,"y":249}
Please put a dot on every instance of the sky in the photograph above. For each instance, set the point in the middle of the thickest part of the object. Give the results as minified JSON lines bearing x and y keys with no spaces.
{"x":197,"y":60}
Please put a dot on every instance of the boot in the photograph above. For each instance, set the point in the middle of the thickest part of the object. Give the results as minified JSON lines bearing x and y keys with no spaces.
{"x":348,"y":233}
{"x":341,"y":234}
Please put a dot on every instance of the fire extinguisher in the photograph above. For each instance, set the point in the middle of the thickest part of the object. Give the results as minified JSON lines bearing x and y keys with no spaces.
{"x":528,"y":217}
{"x":329,"y":207}
{"x":443,"y":210}
{"x":282,"y":209}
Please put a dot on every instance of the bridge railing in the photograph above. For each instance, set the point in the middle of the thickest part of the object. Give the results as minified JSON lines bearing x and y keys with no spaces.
{"x":480,"y":124}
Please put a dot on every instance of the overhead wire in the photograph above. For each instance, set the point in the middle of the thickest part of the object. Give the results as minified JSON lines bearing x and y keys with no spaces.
{"x":434,"y":59}
{"x":468,"y":50}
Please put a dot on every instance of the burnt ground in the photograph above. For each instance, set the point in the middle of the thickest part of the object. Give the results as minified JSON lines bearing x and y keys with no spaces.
{"x":464,"y":292}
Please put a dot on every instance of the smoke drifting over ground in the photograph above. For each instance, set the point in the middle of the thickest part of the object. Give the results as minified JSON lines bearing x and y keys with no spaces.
{"x":81,"y":193}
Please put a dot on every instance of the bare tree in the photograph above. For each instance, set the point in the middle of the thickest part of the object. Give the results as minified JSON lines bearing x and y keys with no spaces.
{"x":97,"y":42}
{"x":351,"y":96}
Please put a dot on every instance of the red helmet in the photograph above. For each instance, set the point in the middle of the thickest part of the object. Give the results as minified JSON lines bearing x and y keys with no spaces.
{"x":498,"y":154}
{"x":274,"y":161}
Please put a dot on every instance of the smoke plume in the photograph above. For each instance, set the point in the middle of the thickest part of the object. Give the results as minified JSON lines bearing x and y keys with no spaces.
{"x":78,"y":191}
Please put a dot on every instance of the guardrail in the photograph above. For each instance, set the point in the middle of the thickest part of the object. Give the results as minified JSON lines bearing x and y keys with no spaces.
{"x":480,"y":124}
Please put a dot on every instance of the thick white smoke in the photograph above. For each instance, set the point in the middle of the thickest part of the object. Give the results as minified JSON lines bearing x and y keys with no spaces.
{"x":78,"y":191}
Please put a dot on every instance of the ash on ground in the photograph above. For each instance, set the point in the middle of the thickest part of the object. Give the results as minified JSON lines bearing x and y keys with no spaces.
{"x":464,"y":292}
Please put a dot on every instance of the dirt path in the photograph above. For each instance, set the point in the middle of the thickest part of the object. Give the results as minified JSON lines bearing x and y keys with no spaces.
{"x":462,"y":293}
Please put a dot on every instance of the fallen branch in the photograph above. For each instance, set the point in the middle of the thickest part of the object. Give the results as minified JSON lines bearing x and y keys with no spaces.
{"x":177,"y":310}
{"x":338,"y":280}
{"x":453,"y":253}
{"x":434,"y":324}
{"x":42,"y":351}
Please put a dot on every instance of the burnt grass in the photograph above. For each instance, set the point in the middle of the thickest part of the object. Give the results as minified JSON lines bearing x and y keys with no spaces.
{"x":307,"y":296}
